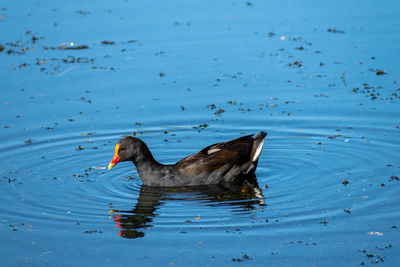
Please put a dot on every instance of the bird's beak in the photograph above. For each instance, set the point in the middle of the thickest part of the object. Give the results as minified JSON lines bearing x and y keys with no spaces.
{"x":115,"y":159}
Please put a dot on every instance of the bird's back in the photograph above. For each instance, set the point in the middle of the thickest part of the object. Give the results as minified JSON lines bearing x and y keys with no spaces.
{"x":224,"y":161}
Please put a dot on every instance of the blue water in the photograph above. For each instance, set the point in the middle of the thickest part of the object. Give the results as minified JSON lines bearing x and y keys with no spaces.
{"x":76,"y":77}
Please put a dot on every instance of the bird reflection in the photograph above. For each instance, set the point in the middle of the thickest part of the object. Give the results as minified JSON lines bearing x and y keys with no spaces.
{"x":240,"y":196}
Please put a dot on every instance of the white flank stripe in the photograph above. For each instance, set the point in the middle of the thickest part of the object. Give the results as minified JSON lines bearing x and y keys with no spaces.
{"x":213,"y":150}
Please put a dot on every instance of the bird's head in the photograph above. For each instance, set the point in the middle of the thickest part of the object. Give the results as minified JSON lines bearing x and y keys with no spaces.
{"x":127,"y":149}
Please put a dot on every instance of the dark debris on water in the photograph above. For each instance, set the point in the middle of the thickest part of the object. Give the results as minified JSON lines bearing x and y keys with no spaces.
{"x":244,"y":257}
{"x":200,"y":127}
{"x":29,"y":141}
{"x":377,"y":92}
{"x":375,"y":258}
{"x":50,"y":66}
{"x":297,"y":64}
{"x":301,"y":242}
{"x":380,"y":72}
{"x":67,"y":47}
{"x":334,"y":30}
{"x":11,"y":180}
{"x":16,"y":227}
{"x":218,"y":110}
{"x":324,"y":222}
{"x":107,"y":42}
{"x":93,"y":231}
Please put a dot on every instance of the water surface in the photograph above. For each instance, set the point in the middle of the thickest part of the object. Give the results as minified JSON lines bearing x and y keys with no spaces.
{"x":320,"y":78}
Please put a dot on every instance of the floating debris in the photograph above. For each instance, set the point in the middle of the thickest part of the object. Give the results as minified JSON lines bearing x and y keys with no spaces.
{"x":93,"y":231}
{"x":99,"y":167}
{"x":374,"y":258}
{"x":29,"y":141}
{"x":244,"y":257}
{"x":334,"y":136}
{"x":90,"y":133}
{"x":296,"y":63}
{"x":380,"y":72}
{"x":301,"y":242}
{"x":107,"y":42}
{"x":324,"y":222}
{"x":375,"y":233}
{"x":67,"y":47}
{"x":333,"y":30}
{"x":200,"y":127}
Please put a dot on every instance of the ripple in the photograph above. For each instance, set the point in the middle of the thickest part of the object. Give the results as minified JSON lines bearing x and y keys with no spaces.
{"x":305,"y":175}
{"x":300,"y":175}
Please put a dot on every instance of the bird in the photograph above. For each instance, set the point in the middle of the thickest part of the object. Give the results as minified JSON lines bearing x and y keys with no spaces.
{"x":225,"y":162}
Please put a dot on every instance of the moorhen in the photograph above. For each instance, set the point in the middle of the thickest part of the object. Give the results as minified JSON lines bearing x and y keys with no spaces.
{"x":226,"y":162}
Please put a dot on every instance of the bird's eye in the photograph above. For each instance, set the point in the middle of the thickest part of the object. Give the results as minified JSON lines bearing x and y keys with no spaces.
{"x":122,"y":148}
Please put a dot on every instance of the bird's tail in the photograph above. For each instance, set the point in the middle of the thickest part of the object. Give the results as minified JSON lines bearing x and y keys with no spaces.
{"x":257,"y":146}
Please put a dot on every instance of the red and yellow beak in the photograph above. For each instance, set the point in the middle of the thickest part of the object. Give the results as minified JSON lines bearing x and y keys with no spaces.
{"x":115,"y":159}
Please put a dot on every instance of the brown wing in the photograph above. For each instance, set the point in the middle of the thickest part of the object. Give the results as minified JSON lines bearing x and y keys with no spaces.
{"x":208,"y":159}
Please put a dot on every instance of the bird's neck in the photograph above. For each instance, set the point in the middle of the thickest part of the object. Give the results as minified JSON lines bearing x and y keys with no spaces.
{"x":146,"y":165}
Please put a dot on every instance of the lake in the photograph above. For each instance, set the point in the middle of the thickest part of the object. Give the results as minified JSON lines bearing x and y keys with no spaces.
{"x":322,"y":78}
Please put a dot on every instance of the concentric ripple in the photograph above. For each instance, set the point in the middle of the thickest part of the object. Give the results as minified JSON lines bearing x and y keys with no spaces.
{"x":69,"y":183}
{"x":304,"y":178}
